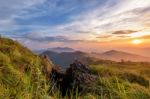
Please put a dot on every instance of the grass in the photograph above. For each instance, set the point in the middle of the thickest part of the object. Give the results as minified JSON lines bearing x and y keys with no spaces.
{"x":21,"y":73}
{"x":114,"y":83}
{"x":123,"y":82}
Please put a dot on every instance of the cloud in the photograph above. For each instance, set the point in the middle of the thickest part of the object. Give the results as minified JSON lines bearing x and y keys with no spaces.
{"x":104,"y":36}
{"x":124,"y":32}
{"x":99,"y":21}
{"x":123,"y":36}
{"x":11,"y":9}
{"x":54,"y":39}
{"x":145,"y":37}
{"x":37,"y":37}
{"x":73,"y":21}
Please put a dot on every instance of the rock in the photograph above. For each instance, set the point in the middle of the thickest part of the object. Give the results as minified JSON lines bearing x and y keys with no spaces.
{"x":80,"y":73}
{"x":57,"y":73}
{"x":77,"y":76}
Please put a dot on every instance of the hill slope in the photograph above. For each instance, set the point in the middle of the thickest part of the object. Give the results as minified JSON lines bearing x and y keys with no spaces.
{"x":65,"y":58}
{"x":115,"y":55}
{"x":21,"y":72}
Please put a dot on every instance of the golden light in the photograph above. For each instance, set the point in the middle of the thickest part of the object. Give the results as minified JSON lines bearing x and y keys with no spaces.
{"x":139,"y":34}
{"x":136,"y":41}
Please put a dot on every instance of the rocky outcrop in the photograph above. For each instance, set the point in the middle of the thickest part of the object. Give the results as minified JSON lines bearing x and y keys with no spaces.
{"x":77,"y":77}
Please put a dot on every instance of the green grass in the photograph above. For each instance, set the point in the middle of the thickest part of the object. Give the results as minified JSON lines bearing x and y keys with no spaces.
{"x":123,"y":82}
{"x":21,"y":72}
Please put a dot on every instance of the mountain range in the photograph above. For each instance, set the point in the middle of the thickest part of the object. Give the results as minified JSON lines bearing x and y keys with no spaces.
{"x":61,"y":49}
{"x":65,"y":58}
{"x":55,"y":49}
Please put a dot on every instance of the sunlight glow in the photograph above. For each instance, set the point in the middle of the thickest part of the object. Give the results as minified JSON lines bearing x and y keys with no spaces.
{"x":139,"y":34}
{"x":136,"y":41}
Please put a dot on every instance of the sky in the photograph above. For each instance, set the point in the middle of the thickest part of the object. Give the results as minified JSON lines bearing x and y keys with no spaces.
{"x":82,"y":24}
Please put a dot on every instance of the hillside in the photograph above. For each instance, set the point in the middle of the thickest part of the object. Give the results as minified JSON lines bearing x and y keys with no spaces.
{"x":115,"y":55}
{"x":140,"y":51}
{"x":66,"y":58}
{"x":21,"y":72}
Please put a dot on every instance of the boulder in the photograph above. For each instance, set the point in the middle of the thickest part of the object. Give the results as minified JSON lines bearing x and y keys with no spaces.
{"x":77,"y":77}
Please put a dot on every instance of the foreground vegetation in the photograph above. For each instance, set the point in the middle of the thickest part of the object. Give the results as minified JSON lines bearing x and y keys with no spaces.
{"x":23,"y":75}
{"x":124,"y":82}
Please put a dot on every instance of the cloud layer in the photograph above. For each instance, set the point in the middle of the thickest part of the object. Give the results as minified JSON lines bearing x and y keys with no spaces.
{"x":74,"y":21}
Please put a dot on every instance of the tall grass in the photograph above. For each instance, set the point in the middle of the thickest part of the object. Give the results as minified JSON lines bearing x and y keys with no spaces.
{"x":21,"y":73}
{"x":120,"y":83}
{"x":17,"y":85}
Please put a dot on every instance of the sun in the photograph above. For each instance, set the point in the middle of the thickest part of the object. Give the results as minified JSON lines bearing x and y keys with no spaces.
{"x":136,"y":41}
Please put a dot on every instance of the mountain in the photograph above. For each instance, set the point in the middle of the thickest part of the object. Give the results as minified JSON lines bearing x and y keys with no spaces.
{"x":55,"y":49}
{"x":61,"y":49}
{"x":115,"y":55}
{"x":66,"y":58}
{"x":21,"y":71}
{"x":38,"y":51}
{"x":139,"y":51}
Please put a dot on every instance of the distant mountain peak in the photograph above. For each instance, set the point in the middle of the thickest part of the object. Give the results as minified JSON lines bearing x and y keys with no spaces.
{"x":118,"y":55}
{"x":61,"y":49}
{"x":110,"y":52}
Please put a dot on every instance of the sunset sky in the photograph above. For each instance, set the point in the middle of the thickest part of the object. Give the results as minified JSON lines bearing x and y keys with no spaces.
{"x":82,"y":24}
